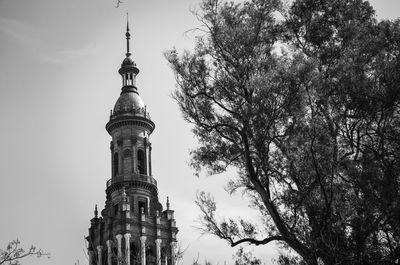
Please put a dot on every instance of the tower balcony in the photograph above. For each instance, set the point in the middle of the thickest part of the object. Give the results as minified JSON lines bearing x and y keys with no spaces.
{"x":130,"y":118}
{"x":131,"y":177}
{"x":129,"y":111}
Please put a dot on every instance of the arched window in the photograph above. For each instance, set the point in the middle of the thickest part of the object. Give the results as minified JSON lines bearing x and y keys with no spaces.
{"x":132,"y":205}
{"x":115,"y":209}
{"x":127,"y":79}
{"x":142,"y":205}
{"x":127,"y":161}
{"x":115,"y":164}
{"x":140,"y":158}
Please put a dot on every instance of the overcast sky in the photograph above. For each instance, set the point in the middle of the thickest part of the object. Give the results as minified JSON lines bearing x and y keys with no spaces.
{"x":58,"y":81}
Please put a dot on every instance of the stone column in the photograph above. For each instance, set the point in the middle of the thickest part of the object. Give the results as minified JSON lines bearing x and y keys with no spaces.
{"x":109,"y":252}
{"x":173,"y":246}
{"x":100,"y":255}
{"x":90,"y":253}
{"x":143,"y":250}
{"x":158,"y":251}
{"x":127,"y":248}
{"x":119,"y":238}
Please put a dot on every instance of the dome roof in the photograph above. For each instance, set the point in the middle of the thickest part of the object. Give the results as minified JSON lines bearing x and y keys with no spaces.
{"x":128,"y":102}
{"x":128,"y":61}
{"x":128,"y":66}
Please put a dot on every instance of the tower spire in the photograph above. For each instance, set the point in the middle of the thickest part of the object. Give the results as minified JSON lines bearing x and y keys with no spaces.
{"x":132,"y":211}
{"x":128,"y":69}
{"x":167,"y":202}
{"x":128,"y":35}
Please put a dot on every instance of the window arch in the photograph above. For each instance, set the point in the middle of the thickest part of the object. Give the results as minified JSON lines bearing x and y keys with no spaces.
{"x":127,"y":161}
{"x":132,"y":204}
{"x":140,"y":160}
{"x":115,"y":164}
{"x":142,"y":205}
{"x":116,"y":209}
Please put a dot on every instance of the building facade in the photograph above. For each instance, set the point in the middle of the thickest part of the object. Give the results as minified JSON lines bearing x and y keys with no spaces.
{"x":133,"y":228}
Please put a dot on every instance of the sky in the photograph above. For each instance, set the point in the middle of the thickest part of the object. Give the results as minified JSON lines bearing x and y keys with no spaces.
{"x":58,"y":81}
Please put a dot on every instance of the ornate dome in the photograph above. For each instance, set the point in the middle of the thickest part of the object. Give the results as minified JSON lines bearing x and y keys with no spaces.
{"x":128,"y":102}
{"x":128,"y":61}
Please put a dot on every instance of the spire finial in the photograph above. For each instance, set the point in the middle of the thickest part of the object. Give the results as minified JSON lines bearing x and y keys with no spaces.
{"x":95,"y":211}
{"x":128,"y":35}
{"x":127,"y":21}
{"x":167,"y":202}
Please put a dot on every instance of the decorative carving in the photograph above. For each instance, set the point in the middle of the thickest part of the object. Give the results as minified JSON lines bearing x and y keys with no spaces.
{"x":127,"y":153}
{"x":120,"y":121}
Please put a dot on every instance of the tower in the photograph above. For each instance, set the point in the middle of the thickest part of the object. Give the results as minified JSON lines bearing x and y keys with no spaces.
{"x":133,"y":227}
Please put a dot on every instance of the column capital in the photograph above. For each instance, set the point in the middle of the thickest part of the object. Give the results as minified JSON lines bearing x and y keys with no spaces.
{"x":127,"y":236}
{"x":158,"y":241}
{"x":119,"y":237}
{"x":99,"y":248}
{"x":143,"y":239}
{"x":109,"y":243}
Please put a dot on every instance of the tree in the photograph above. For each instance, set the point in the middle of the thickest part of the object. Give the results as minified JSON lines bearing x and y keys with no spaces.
{"x":14,"y":253}
{"x":307,"y":110}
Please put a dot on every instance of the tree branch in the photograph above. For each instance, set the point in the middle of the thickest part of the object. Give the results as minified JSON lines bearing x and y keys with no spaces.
{"x":257,"y":242}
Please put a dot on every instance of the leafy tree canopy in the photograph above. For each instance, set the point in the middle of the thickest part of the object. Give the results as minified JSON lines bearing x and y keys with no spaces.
{"x":304,"y":101}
